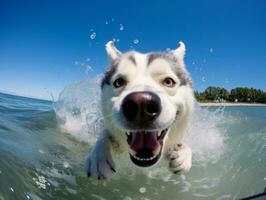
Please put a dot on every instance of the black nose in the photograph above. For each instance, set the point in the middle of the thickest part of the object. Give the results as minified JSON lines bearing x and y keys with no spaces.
{"x":141,"y":107}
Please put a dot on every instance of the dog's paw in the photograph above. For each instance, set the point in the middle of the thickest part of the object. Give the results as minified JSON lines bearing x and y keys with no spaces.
{"x":180,"y":158}
{"x":99,"y":162}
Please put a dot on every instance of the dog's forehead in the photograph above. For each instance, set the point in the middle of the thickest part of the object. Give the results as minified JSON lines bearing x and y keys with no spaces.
{"x":143,"y":59}
{"x":135,"y":58}
{"x":134,"y":61}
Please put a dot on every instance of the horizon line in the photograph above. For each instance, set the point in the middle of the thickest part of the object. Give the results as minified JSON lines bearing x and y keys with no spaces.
{"x":25,"y":96}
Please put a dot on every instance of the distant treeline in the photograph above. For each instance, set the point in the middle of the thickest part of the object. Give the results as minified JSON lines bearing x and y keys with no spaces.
{"x":239,"y":94}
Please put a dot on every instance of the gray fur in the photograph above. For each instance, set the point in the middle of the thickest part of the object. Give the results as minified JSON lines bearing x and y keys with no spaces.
{"x":153,"y":56}
{"x":109,"y":73}
{"x":132,"y":59}
{"x":181,"y":73}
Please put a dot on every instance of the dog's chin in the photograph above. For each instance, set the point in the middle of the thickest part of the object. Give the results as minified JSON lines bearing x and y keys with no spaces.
{"x":145,"y":162}
{"x":146,"y":146}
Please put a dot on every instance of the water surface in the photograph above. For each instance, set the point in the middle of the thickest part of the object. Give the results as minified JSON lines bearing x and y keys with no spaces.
{"x":42,"y":155}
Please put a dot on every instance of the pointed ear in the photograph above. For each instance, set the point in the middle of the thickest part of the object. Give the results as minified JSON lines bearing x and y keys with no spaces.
{"x":179,"y":53}
{"x":112,"y":51}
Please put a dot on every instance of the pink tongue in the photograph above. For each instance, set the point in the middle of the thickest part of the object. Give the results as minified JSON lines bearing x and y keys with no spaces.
{"x":142,"y":140}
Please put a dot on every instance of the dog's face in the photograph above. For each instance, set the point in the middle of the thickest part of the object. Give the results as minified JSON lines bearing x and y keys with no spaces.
{"x":144,"y":96}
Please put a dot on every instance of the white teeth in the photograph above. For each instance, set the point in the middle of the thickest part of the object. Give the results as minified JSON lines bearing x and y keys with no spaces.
{"x":144,"y":159}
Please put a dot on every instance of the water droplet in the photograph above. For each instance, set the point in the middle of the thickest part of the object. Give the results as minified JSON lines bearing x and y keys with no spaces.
{"x":88,"y":59}
{"x":93,"y":35}
{"x":203,"y":79}
{"x":82,"y":64}
{"x":211,"y":50}
{"x":66,"y":164}
{"x":113,"y":19}
{"x":88,"y":69}
{"x":121,"y":28}
{"x":106,"y":22}
{"x":41,"y":151}
{"x":76,"y":62}
{"x":142,"y":190}
{"x":135,"y":41}
{"x":168,"y":49}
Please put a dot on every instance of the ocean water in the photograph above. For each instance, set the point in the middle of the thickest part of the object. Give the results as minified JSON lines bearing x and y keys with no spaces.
{"x":43,"y":146}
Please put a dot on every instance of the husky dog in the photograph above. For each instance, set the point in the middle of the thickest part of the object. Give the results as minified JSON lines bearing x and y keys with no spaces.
{"x":146,"y":102}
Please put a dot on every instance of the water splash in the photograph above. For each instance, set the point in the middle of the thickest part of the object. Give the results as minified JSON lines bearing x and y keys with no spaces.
{"x":78,"y":109}
{"x":79,"y":114}
{"x":205,"y":124}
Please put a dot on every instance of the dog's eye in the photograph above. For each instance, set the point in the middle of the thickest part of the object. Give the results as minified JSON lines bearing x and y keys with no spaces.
{"x":120,"y":82}
{"x":169,"y":82}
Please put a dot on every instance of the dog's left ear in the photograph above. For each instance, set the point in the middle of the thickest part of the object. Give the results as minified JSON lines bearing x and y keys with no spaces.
{"x":179,"y":53}
{"x":112,"y":51}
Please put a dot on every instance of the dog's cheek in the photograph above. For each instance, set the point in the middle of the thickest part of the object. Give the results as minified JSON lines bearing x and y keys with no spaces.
{"x":168,"y":111}
{"x":186,"y":98}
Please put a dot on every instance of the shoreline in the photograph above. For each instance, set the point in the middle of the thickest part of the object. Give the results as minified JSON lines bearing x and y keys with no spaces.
{"x":230,"y":104}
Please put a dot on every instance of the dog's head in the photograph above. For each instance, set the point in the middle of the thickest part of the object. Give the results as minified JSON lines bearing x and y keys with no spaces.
{"x":146,"y":98}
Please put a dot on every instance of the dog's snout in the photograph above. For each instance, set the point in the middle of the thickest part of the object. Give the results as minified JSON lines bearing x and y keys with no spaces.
{"x":141,"y":107}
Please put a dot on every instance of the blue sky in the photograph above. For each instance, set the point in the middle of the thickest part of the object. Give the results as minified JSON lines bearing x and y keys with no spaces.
{"x":46,"y":45}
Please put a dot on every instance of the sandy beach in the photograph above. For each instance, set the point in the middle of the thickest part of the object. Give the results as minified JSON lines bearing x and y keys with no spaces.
{"x":231,"y":104}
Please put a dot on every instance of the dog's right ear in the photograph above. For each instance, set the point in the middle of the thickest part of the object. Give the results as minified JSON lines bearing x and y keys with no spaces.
{"x":112,"y":51}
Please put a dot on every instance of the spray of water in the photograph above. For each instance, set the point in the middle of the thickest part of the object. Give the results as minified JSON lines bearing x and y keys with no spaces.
{"x":204,"y":135}
{"x":78,"y":110}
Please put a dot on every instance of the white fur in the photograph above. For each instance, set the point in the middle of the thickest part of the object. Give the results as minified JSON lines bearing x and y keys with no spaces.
{"x":143,"y":78}
{"x":112,"y":51}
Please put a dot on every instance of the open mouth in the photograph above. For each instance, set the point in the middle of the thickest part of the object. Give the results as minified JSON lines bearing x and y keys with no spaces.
{"x":146,"y":146}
